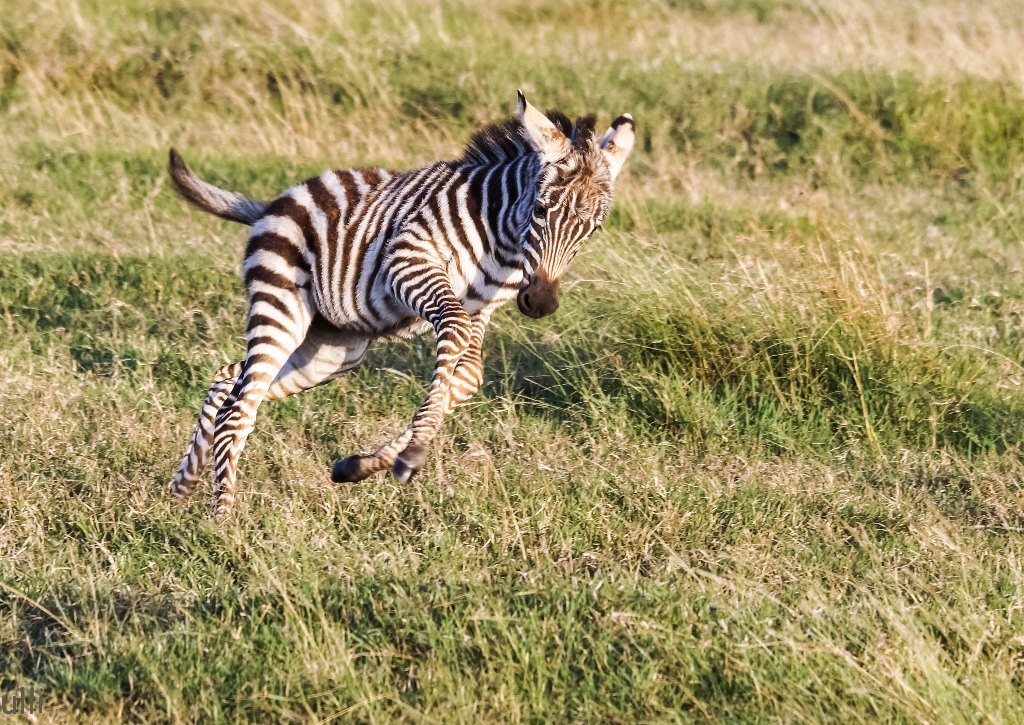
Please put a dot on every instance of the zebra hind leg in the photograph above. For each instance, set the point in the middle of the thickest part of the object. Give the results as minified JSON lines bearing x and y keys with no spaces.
{"x":277,"y":326}
{"x":325,"y":353}
{"x":192,"y":465}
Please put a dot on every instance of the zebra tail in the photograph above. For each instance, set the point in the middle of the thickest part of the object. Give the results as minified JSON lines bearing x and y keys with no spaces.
{"x":228,"y":205}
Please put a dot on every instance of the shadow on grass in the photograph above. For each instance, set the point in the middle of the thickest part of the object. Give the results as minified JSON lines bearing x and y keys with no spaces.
{"x":659,"y":369}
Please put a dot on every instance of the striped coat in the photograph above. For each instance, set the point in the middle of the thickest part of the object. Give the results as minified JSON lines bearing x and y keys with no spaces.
{"x":355,"y":255}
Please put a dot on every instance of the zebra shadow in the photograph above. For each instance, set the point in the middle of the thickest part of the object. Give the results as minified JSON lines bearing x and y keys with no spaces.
{"x":561,"y":377}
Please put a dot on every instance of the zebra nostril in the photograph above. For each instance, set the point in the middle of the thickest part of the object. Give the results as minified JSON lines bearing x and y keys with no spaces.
{"x":526,"y":300}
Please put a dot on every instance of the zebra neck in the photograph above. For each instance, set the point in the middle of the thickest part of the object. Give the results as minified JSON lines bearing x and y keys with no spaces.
{"x":512,"y":187}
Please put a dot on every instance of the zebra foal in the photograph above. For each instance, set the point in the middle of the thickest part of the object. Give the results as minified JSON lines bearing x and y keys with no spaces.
{"x":354,"y":255}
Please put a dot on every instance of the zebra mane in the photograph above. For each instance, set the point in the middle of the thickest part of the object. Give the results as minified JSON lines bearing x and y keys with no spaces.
{"x":580,"y":132}
{"x":506,"y":140}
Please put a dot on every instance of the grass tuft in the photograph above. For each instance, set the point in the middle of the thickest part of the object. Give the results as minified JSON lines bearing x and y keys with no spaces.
{"x":764,"y":464}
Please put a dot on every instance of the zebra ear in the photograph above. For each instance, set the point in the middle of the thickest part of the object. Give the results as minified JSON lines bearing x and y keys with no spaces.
{"x":551,"y":143}
{"x":617,"y":142}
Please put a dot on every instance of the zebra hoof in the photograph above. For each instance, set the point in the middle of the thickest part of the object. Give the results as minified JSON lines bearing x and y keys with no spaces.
{"x":220,"y":509}
{"x":180,"y":491}
{"x":348,"y":470}
{"x":408,"y":462}
{"x":403,"y":471}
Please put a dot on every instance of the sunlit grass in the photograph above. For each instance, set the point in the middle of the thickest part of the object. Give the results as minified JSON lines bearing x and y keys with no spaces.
{"x":763,"y":465}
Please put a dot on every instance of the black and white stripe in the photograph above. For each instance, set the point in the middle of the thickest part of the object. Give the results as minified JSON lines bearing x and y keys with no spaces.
{"x":358,"y":254}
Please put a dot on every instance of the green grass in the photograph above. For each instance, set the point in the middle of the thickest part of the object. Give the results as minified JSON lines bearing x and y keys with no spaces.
{"x":764,"y":464}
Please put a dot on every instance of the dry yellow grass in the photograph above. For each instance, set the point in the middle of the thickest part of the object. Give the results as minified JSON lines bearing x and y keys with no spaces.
{"x":763,"y":466}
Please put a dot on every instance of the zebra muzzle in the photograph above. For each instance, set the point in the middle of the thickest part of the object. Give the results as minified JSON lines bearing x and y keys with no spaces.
{"x":539,"y":298}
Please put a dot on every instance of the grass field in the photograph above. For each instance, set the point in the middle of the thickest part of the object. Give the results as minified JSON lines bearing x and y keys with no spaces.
{"x":763,"y":465}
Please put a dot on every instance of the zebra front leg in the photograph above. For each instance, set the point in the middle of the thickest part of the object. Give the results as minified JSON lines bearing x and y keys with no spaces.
{"x":464,"y":382}
{"x":454,"y":342}
{"x":191,"y":469}
{"x":406,"y":453}
{"x":469,"y":373}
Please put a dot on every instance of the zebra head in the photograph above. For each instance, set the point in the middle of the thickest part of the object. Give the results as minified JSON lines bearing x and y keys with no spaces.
{"x":573,"y":197}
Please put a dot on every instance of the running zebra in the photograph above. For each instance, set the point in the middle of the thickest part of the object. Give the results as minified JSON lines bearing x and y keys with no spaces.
{"x":355,"y":255}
